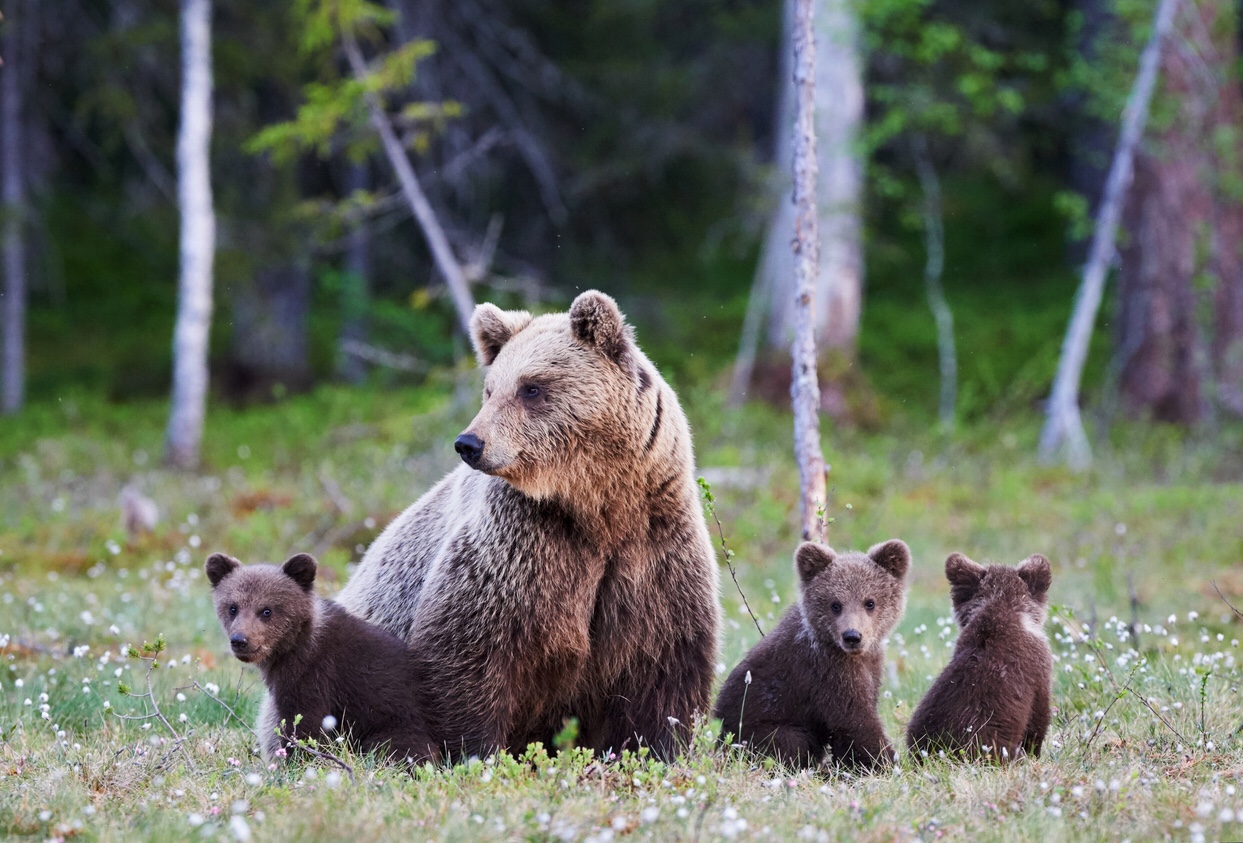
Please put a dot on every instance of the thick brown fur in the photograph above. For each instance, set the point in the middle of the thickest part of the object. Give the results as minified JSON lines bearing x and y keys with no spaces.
{"x":570,"y":573}
{"x":815,"y":679}
{"x":993,"y":699}
{"x":319,"y":661}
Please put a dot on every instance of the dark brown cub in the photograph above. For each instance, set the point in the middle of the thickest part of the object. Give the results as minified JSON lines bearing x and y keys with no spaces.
{"x":340,"y":673}
{"x":810,"y":687}
{"x":993,"y":699}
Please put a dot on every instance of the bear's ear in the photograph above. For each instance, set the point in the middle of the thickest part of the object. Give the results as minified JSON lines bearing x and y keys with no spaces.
{"x":301,"y":569}
{"x":893,"y":556}
{"x":964,"y":577}
{"x":220,"y":566}
{"x":597,"y":322}
{"x":491,"y":328}
{"x":1038,"y":575}
{"x":811,"y":558}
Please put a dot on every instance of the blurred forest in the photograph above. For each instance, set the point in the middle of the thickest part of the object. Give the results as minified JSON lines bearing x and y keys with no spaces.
{"x":636,"y":147}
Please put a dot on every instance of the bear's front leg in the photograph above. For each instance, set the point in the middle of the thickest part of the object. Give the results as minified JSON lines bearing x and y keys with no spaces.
{"x":1038,"y":724}
{"x":863,"y":745}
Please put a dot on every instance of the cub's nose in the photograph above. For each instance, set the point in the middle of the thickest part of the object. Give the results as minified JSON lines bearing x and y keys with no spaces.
{"x":851,"y":638}
{"x":238,"y":642}
{"x":470,"y":448}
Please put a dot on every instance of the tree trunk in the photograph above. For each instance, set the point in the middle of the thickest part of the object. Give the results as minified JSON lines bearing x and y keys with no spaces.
{"x":934,"y":265}
{"x":271,"y":315}
{"x":805,"y":388}
{"x":14,"y":212}
{"x":355,"y":285}
{"x":1227,"y":247}
{"x":198,"y":239}
{"x":1063,"y":425}
{"x":839,"y":189}
{"x":1185,"y":226}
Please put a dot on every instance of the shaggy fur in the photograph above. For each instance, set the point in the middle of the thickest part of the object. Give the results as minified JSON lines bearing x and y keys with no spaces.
{"x":570,"y":573}
{"x":318,"y":660}
{"x":993,"y":697}
{"x":810,"y":686}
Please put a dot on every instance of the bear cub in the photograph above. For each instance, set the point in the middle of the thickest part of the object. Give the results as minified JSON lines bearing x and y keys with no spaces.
{"x":340,"y":673}
{"x":993,"y":699}
{"x":810,"y":687}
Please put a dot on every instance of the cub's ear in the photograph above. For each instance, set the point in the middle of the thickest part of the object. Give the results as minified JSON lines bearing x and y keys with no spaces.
{"x":596,"y":321}
{"x":811,"y":558}
{"x":1038,"y":575}
{"x":893,"y":556}
{"x":301,"y":569}
{"x":964,"y":577}
{"x":220,"y":566}
{"x":491,"y":328}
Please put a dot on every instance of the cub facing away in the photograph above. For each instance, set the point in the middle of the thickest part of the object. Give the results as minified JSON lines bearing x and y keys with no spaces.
{"x":340,"y":673}
{"x":993,"y":699}
{"x":809,"y":688}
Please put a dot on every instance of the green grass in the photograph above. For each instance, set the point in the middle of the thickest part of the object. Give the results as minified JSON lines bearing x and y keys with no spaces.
{"x":325,"y":471}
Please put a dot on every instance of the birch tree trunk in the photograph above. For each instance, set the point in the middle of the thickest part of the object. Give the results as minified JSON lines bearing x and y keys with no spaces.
{"x":198,"y":239}
{"x":13,"y":213}
{"x":1063,"y":425}
{"x":838,"y":192}
{"x":934,"y":266}
{"x":442,"y":252}
{"x":805,"y":387}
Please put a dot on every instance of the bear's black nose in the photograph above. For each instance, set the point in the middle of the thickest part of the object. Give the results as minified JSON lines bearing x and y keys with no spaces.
{"x":852,"y":638}
{"x":470,"y":448}
{"x":238,"y":642}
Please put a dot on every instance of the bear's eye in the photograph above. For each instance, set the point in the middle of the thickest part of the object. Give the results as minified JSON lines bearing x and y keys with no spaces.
{"x":529,"y":391}
{"x":836,"y":607}
{"x":267,"y":613}
{"x":869,"y":605}
{"x":232,"y":609}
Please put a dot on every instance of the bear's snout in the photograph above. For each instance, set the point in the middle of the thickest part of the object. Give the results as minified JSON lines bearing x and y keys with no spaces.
{"x":239,"y":643}
{"x":469,"y":448}
{"x":852,"y":639}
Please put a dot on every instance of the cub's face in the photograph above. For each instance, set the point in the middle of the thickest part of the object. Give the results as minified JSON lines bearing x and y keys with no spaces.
{"x":853,"y":601}
{"x":263,"y":609}
{"x":560,"y":391}
{"x":1024,"y":590}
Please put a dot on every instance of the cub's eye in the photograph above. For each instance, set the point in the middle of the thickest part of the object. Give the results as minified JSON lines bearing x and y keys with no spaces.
{"x":869,"y":605}
{"x":837,"y":608}
{"x":529,"y":391}
{"x":232,"y":609}
{"x":267,"y":613}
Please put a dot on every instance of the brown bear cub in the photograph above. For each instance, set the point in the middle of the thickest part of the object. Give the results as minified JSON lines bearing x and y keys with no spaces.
{"x":810,"y":687}
{"x":992,"y":700}
{"x":341,"y":674}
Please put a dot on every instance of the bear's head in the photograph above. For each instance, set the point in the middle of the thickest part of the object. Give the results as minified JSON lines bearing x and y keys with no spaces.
{"x":1025,"y":589}
{"x":266,"y":611}
{"x":563,"y":395}
{"x":852,"y":601}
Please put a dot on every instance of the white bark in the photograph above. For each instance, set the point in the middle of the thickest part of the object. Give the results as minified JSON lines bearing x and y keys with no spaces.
{"x":442,"y":252}
{"x":805,"y":387}
{"x":13,"y":212}
{"x":934,"y":266}
{"x":839,"y":186}
{"x":1063,"y":425}
{"x":198,"y":238}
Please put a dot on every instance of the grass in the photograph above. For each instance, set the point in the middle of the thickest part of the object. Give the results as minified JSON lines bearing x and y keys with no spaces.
{"x":1145,"y":742}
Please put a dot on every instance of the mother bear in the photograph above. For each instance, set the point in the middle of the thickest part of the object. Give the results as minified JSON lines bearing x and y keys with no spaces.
{"x":565,"y":570}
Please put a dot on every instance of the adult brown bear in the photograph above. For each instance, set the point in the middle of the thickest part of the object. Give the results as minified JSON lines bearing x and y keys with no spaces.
{"x":565,"y":570}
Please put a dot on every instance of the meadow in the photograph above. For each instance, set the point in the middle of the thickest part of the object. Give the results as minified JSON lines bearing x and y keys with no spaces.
{"x":1145,"y":742}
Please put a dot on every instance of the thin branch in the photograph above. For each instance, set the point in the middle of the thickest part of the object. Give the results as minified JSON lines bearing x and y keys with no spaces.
{"x":442,"y":252}
{"x":710,"y":503}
